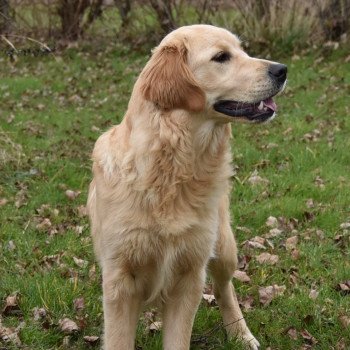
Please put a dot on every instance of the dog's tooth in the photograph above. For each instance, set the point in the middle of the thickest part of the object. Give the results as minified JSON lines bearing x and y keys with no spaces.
{"x":265,"y":108}
{"x":261,"y":106}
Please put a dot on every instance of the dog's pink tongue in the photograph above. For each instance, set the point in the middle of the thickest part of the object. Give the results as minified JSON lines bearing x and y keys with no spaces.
{"x":270,"y":103}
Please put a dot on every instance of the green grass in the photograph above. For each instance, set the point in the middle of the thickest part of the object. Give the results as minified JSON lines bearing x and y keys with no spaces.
{"x":61,"y":106}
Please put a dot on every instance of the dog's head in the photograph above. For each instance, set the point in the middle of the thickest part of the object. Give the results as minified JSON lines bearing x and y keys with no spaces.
{"x":202,"y":68}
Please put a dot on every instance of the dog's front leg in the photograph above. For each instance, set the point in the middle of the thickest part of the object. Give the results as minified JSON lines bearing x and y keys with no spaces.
{"x":180,"y":308}
{"x":221,"y":269}
{"x":122,"y":305}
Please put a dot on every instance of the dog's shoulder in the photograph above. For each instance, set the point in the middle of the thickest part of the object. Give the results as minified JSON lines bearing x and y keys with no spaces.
{"x":108,"y":149}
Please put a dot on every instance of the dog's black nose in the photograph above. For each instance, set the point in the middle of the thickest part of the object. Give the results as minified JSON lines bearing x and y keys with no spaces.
{"x":278,"y":72}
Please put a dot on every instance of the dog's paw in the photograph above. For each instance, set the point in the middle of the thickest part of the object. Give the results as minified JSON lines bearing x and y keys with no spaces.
{"x":249,"y":341}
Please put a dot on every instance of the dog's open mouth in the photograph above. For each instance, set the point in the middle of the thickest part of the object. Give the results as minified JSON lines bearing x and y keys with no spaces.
{"x":255,"y":112}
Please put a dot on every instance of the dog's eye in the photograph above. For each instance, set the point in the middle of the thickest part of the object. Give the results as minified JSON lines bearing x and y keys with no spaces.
{"x":222,"y":57}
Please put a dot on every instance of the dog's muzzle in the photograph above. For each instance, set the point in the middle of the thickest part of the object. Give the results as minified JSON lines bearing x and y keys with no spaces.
{"x":261,"y":111}
{"x":255,"y":112}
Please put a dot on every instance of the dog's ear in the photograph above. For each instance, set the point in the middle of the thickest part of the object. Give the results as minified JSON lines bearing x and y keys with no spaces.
{"x":168,"y":82}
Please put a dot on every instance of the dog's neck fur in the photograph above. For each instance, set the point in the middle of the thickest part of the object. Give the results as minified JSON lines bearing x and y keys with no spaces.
{"x":178,"y":156}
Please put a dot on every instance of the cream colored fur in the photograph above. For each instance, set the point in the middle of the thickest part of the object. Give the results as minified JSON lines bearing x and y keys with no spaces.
{"x":158,"y":201}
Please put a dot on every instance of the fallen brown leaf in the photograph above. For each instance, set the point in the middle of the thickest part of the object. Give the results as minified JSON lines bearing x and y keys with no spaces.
{"x":86,"y":240}
{"x":319,"y":182}
{"x":341,"y":345}
{"x":286,"y":224}
{"x":10,"y":335}
{"x":3,"y":201}
{"x":70,"y":194}
{"x":345,"y":225}
{"x":82,"y":211}
{"x":155,"y":326}
{"x":75,"y":98}
{"x":310,"y":203}
{"x":243,"y":229}
{"x":68,"y":326}
{"x":210,"y":299}
{"x":257,"y":242}
{"x":267,"y":294}
{"x":243,"y":262}
{"x":78,"y":229}
{"x":44,"y":225}
{"x":255,"y":245}
{"x":80,"y":262}
{"x":48,"y":261}
{"x":274,"y":232}
{"x":150,"y":316}
{"x":92,"y":272}
{"x":95,"y":128}
{"x":306,"y":347}
{"x":345,"y":321}
{"x":11,"y":306}
{"x":152,"y":324}
{"x":267,"y":258}
{"x":291,"y":242}
{"x":342,"y":241}
{"x":344,"y":287}
{"x":46,"y":210}
{"x":271,"y":222}
{"x":270,"y":243}
{"x":313,"y":136}
{"x":320,"y":234}
{"x":39,"y":313}
{"x":11,"y":246}
{"x":62,"y":186}
{"x":295,"y":254}
{"x":241,"y":276}
{"x":308,"y":216}
{"x":79,"y":304}
{"x":91,"y":339}
{"x":81,"y":321}
{"x":208,"y":288}
{"x":270,"y":145}
{"x":21,"y":198}
{"x":313,"y":294}
{"x":308,"y":337}
{"x":292,"y":333}
{"x":293,"y":277}
{"x":255,"y":179}
{"x":258,"y":239}
{"x":10,"y":118}
{"x":247,"y":302}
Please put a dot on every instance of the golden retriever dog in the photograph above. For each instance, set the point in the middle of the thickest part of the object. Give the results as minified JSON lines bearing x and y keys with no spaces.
{"x":159,"y":198}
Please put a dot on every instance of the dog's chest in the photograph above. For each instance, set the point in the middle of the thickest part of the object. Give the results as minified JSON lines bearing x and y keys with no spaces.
{"x":179,"y":193}
{"x":163,"y":260}
{"x":170,"y":182}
